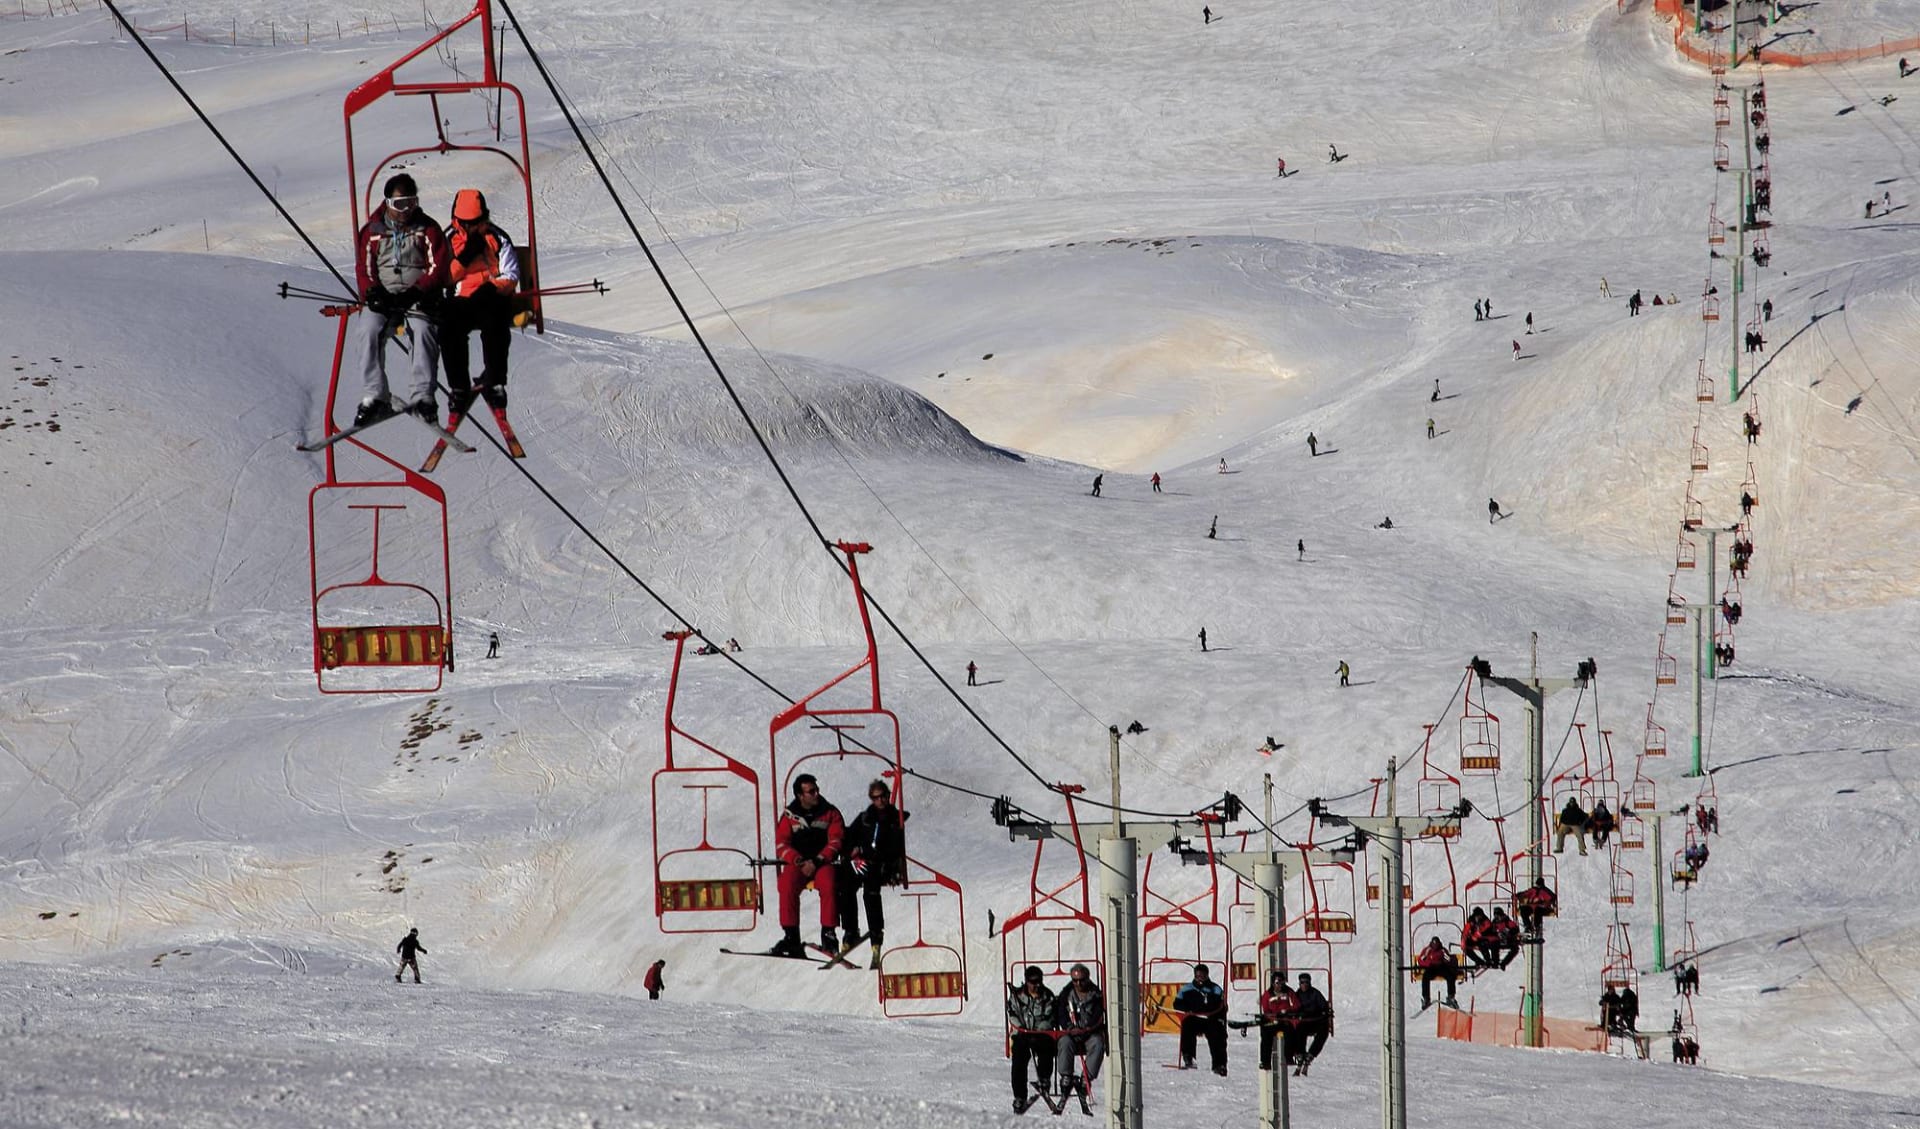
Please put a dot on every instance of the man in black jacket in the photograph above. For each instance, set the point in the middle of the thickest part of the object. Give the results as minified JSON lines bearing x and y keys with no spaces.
{"x":1080,"y":1016}
{"x":875,"y":854}
{"x":409,"y":949}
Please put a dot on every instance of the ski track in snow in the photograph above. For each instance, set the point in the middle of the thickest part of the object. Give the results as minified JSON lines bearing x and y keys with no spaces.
{"x":980,"y":257}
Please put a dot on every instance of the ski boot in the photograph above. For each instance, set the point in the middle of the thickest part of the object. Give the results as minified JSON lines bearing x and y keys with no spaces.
{"x":875,"y":939}
{"x":790,"y":944}
{"x":829,"y":940}
{"x":373,"y":409}
{"x":426,"y":411}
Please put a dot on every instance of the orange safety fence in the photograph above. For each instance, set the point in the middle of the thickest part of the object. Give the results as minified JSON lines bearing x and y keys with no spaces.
{"x":1506,"y":1029}
{"x":1676,"y":10}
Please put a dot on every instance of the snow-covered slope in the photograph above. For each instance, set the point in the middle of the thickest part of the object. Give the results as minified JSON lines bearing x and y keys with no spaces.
{"x":980,"y":255}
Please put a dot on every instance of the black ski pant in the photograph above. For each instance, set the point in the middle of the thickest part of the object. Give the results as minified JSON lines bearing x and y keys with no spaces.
{"x":1214,"y":1028}
{"x":406,"y":962}
{"x":491,"y":313}
{"x":1450,"y":975}
{"x":1305,"y":1041}
{"x":1036,"y":1047}
{"x":847,"y":885}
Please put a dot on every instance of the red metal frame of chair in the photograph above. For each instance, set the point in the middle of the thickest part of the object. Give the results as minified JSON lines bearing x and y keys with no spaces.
{"x":1494,"y":885}
{"x":1618,"y":971}
{"x":1655,"y":742}
{"x":1705,"y":390}
{"x":385,"y":83}
{"x":1692,"y":511}
{"x":1716,"y":230}
{"x":1328,"y":896}
{"x":1619,"y":882}
{"x":1172,"y":925}
{"x":1479,"y":732}
{"x":1697,"y":451}
{"x":1437,"y":792}
{"x":1666,"y":669}
{"x":339,"y":647}
{"x":1057,"y":929}
{"x":709,"y":900}
{"x":1632,"y":833}
{"x":922,"y":977}
{"x":866,"y":731}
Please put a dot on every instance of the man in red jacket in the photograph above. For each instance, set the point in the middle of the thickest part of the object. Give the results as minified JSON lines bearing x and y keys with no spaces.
{"x":807,"y":840}
{"x":656,"y":982}
{"x":401,"y":262}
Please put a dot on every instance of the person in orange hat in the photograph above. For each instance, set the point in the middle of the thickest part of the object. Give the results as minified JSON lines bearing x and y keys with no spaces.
{"x":484,"y":271}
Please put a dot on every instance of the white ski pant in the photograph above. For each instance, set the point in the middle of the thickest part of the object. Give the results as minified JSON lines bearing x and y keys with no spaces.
{"x":422,"y":339}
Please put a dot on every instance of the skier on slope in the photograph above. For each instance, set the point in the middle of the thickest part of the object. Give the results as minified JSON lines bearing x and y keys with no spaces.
{"x":876,"y":854}
{"x":410,"y":949}
{"x":401,"y":263}
{"x":1493,"y":511}
{"x":807,"y":840}
{"x":484,"y":270}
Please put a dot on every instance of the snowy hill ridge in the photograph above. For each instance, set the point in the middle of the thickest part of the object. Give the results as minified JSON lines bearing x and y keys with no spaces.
{"x":1007,"y":248}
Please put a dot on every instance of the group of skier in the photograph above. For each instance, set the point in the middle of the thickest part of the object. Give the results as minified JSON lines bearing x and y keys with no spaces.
{"x":846,"y":864}
{"x":1068,"y":1031}
{"x":435,"y":286}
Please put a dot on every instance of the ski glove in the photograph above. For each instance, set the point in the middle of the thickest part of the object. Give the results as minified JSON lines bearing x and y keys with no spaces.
{"x":382,"y":301}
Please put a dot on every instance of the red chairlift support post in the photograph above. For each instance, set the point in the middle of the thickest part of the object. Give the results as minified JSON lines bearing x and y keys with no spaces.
{"x":693,"y":889}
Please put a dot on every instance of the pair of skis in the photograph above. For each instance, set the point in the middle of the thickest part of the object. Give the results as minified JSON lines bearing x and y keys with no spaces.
{"x":462,"y":402}
{"x":1056,"y":1107}
{"x":828,"y":958}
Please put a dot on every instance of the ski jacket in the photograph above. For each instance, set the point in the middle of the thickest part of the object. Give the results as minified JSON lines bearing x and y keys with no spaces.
{"x":1201,"y":999}
{"x":1476,"y":927}
{"x":1572,"y":815}
{"x":1027,"y":1013}
{"x":403,"y":256}
{"x":654,"y":981}
{"x":803,"y":835}
{"x":879,"y":837}
{"x":409,"y":945}
{"x":480,"y":254}
{"x":1537,"y":899}
{"x":1074,"y":1014}
{"x":1277,"y":1004}
{"x":1309,"y":1005}
{"x":1503,"y":931}
{"x":1435,"y":956}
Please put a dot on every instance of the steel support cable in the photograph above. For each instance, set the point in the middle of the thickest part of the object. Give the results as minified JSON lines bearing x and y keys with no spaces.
{"x":134,"y":33}
{"x":759,"y":437}
{"x":519,"y":465}
{"x":560,"y":94}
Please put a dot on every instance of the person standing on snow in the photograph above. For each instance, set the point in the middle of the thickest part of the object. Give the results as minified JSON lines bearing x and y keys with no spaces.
{"x":401,"y":262}
{"x":493,"y":644}
{"x":807,"y":840}
{"x":655,"y":981}
{"x":484,"y":270}
{"x":1203,"y":640}
{"x":1301,"y":547}
{"x":973,"y":674}
{"x":876,"y":856}
{"x":410,"y":949}
{"x":1313,"y":444}
{"x":1429,"y":427}
{"x":1213,"y":530}
{"x":1097,"y":480}
{"x":1493,"y":511}
{"x":1343,"y":671}
{"x":1156,"y":482}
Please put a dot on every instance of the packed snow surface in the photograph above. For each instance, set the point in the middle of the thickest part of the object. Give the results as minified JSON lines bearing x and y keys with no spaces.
{"x":956,"y":260}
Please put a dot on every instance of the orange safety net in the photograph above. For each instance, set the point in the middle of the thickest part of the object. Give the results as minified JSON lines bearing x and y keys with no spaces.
{"x":1505,"y":1029}
{"x":1676,"y":10}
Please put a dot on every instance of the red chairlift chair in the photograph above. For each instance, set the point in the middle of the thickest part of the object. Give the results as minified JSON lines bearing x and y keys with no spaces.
{"x":707,"y":887}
